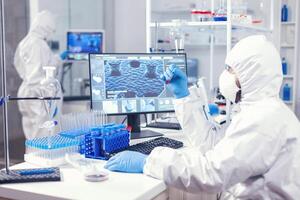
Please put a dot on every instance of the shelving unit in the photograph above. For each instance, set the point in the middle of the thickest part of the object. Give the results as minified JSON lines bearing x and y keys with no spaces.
{"x":215,"y":38}
{"x":288,"y":76}
{"x":288,"y":40}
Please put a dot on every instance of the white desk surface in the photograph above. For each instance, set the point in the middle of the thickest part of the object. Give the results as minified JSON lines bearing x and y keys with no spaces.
{"x":119,"y":185}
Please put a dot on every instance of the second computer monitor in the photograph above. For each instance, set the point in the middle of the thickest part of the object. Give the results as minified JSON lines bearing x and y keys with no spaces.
{"x":131,"y":83}
{"x":82,"y":42}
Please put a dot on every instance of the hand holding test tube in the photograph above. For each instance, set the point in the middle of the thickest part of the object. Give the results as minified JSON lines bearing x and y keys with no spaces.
{"x":177,"y":81}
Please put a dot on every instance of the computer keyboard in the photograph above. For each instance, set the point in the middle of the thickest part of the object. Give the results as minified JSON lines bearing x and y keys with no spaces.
{"x":165,"y":125}
{"x":147,"y":146}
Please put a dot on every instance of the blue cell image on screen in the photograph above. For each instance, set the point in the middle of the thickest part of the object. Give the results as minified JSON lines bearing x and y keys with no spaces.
{"x":85,"y":42}
{"x":133,"y":78}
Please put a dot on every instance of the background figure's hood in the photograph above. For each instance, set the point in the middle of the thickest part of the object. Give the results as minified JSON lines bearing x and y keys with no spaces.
{"x":43,"y":25}
{"x":257,"y":64}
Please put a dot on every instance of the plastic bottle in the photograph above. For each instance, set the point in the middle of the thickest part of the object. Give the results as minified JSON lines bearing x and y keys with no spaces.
{"x":284,"y":13}
{"x":286,"y":92}
{"x":284,"y":66}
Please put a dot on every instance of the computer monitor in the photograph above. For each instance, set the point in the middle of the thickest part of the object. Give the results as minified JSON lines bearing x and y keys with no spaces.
{"x":130,"y":84}
{"x":82,"y":42}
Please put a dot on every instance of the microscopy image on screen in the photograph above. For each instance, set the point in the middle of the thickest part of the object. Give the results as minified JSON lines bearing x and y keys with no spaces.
{"x":133,"y":78}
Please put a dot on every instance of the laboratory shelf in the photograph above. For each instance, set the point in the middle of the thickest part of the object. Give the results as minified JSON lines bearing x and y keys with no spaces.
{"x":251,"y":27}
{"x":195,"y":46}
{"x":287,"y":46}
{"x":288,"y":76}
{"x":221,"y":24}
{"x":163,"y":12}
{"x":188,"y":24}
{"x":288,"y":102}
{"x":288,"y":23}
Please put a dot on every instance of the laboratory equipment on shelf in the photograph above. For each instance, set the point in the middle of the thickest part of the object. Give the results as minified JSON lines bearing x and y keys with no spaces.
{"x":201,"y":12}
{"x":284,"y":66}
{"x":221,"y":12}
{"x":177,"y":35}
{"x":259,"y":16}
{"x":284,"y":13}
{"x":286,"y":92}
{"x":201,"y":15}
{"x":91,"y":170}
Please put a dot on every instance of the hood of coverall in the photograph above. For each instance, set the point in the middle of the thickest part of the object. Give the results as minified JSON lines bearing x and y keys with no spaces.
{"x":257,"y":65}
{"x":43,"y":25}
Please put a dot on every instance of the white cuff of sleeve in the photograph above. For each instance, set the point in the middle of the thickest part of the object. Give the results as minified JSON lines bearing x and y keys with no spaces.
{"x":157,"y":161}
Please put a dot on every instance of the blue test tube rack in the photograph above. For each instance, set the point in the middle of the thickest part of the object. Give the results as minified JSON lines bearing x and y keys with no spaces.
{"x":101,"y":142}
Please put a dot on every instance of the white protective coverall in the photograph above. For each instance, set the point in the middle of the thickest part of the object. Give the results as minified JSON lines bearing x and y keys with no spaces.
{"x":258,"y":157}
{"x":31,"y":55}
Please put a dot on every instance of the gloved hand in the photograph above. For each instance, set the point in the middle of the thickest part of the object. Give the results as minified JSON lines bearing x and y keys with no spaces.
{"x":127,"y":161}
{"x":2,"y":101}
{"x":177,"y":80}
{"x":213,"y":109}
{"x":64,"y":55}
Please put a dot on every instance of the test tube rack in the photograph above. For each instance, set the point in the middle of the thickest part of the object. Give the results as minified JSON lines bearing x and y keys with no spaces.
{"x":101,"y":143}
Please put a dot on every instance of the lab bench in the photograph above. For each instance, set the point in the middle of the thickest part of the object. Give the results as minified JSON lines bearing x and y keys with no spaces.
{"x":123,"y":186}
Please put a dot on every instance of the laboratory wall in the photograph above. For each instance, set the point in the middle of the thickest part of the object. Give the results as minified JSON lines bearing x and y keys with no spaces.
{"x":130,"y":26}
{"x":298,"y":80}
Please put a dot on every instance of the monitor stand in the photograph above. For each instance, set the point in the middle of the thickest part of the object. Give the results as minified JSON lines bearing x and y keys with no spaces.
{"x":134,"y":121}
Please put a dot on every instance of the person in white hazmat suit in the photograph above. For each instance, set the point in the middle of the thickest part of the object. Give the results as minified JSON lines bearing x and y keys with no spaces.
{"x":258,"y":154}
{"x":32,"y":54}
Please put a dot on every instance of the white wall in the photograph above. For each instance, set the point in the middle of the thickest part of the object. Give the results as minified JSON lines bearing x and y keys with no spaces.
{"x":130,"y":25}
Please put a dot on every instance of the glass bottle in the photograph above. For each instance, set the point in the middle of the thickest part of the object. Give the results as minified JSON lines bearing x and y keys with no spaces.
{"x":50,"y":87}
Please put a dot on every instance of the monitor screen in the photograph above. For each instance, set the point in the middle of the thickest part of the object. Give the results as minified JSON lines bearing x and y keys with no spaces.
{"x":130,"y":83}
{"x":80,"y":44}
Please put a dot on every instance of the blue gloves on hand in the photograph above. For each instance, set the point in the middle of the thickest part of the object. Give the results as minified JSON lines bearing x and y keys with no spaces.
{"x":178,"y":81}
{"x":127,"y":161}
{"x":2,"y":101}
{"x":213,"y":109}
{"x":64,"y":55}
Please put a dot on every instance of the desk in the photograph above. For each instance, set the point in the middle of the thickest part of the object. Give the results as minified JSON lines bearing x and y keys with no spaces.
{"x":119,"y":186}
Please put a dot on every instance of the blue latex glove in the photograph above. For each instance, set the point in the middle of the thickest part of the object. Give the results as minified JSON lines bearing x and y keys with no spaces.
{"x":178,"y":81}
{"x":127,"y":161}
{"x":64,"y":55}
{"x":2,"y":101}
{"x":213,"y":109}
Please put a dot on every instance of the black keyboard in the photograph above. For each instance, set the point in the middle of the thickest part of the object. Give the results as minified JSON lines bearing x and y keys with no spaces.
{"x":165,"y":125}
{"x":148,"y":146}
